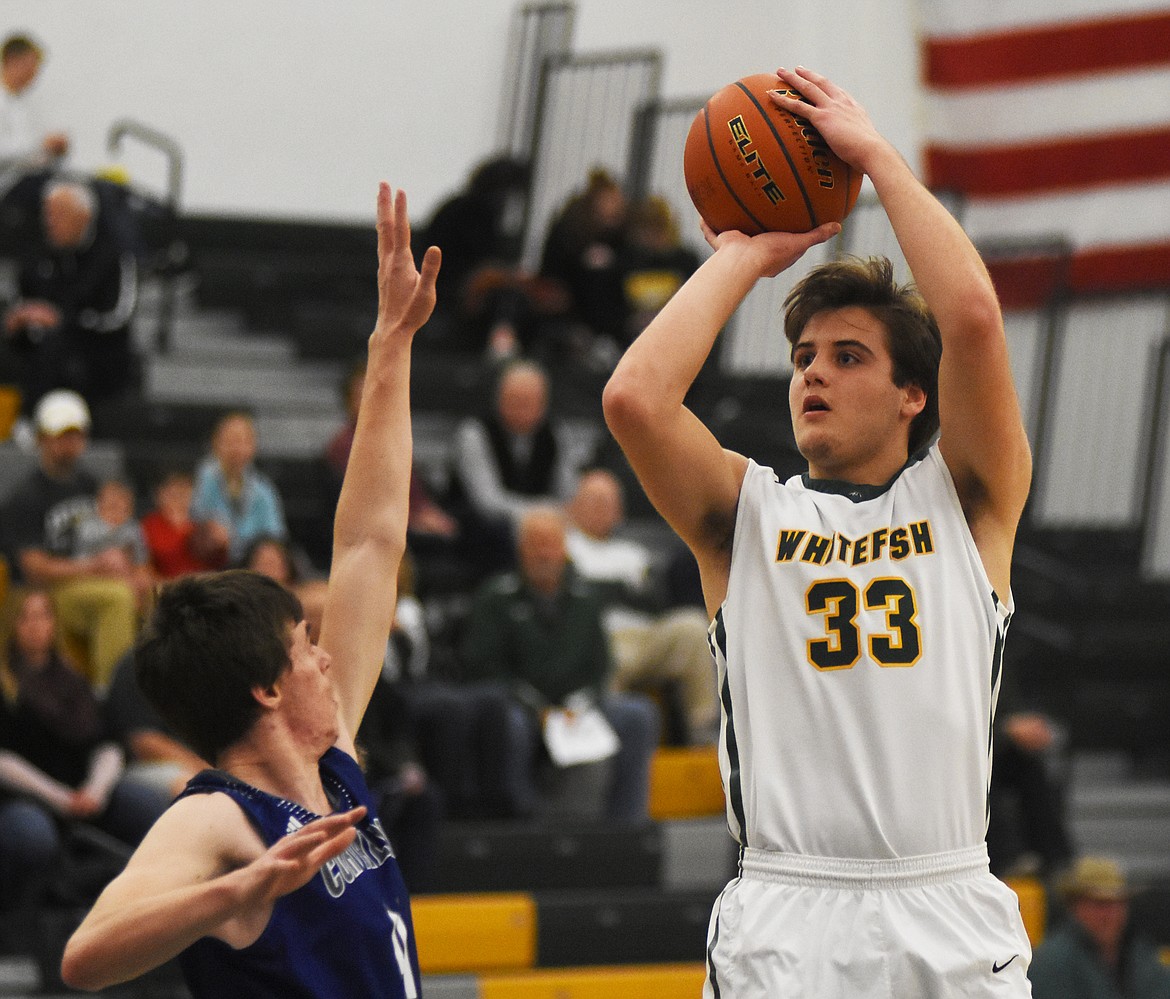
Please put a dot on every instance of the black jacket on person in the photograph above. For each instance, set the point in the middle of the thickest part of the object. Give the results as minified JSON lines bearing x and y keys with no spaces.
{"x":95,"y":288}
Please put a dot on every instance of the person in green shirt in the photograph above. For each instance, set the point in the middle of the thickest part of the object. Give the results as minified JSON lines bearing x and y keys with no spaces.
{"x":1096,"y":953}
{"x":538,"y":632}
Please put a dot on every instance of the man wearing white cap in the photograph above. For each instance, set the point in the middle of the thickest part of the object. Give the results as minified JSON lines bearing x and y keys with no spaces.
{"x":93,"y":600}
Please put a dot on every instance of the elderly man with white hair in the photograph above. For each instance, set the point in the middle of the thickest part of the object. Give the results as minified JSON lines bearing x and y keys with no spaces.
{"x":78,"y":293}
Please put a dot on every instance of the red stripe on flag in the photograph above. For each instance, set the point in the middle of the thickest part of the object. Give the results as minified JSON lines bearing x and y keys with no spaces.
{"x":1076,"y":48}
{"x":1122,"y":268}
{"x":1029,"y":282}
{"x":1070,"y":164}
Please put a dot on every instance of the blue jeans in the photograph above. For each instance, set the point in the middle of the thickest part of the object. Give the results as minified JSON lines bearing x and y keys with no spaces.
{"x":626,"y":775}
{"x":634,"y":718}
{"x":29,"y":844}
{"x":31,"y":836}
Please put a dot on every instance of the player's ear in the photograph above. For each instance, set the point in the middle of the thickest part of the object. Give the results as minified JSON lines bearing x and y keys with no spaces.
{"x":913,"y":399}
{"x":267,"y":696}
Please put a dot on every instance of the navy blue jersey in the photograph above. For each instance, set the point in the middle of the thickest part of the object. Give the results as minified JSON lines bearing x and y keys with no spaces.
{"x":346,"y":933}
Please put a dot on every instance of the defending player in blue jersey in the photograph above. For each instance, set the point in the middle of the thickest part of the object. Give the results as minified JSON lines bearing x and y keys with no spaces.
{"x":858,"y":610}
{"x":271,"y":876}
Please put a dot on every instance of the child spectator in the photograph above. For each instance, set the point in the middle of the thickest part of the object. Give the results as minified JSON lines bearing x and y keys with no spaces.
{"x":111,"y":530}
{"x":175,"y":541}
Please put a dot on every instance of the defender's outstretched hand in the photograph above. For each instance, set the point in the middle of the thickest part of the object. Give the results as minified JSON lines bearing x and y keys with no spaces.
{"x":293,"y":860}
{"x":406,"y":294}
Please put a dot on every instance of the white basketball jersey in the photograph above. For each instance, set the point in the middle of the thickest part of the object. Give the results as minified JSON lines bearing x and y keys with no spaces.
{"x":858,"y":654}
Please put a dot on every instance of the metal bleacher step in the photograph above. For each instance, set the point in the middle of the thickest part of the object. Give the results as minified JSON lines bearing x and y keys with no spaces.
{"x":1115,"y":813}
{"x":1130,"y":822}
{"x":621,"y":926}
{"x":698,"y":853}
{"x":254,"y":383}
{"x":502,"y":856}
{"x":686,"y":846}
{"x":471,"y":933}
{"x":685,"y":783}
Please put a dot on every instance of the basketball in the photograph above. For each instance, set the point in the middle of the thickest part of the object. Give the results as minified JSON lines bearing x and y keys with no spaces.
{"x":753,"y":167}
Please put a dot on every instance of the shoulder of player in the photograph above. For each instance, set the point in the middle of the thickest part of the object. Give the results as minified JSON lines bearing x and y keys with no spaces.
{"x":209,"y":826}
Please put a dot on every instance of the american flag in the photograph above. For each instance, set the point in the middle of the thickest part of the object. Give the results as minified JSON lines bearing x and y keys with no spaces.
{"x":1052,"y":119}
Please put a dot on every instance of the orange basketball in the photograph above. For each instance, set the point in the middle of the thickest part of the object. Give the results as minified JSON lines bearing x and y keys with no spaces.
{"x":753,"y":167}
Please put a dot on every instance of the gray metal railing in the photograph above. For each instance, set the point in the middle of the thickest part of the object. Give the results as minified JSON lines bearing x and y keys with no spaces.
{"x":538,"y":31}
{"x":587,"y":107}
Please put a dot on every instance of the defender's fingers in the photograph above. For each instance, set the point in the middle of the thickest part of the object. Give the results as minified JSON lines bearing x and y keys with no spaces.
{"x":432,"y":259}
{"x":385,"y":219}
{"x":401,"y":220}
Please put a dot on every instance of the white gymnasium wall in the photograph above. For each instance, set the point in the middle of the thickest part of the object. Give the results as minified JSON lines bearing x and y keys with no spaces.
{"x":296,"y":108}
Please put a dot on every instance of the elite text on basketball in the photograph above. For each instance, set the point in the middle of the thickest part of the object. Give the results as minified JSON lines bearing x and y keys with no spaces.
{"x":751,"y":158}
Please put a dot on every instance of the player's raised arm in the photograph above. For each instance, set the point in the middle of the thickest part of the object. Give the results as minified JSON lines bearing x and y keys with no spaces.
{"x":687,"y":475}
{"x":982,"y":435}
{"x":369,"y":533}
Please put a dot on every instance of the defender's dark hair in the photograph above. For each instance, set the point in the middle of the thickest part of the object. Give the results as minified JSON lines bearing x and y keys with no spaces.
{"x":211,"y":639}
{"x":18,"y":45}
{"x":912,"y":334}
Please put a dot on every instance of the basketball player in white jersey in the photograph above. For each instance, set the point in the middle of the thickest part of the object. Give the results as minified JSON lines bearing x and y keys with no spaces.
{"x":859,"y":610}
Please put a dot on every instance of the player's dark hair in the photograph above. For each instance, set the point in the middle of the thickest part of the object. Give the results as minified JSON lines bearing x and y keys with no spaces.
{"x":211,"y":639}
{"x":18,"y":45}
{"x":912,"y":334}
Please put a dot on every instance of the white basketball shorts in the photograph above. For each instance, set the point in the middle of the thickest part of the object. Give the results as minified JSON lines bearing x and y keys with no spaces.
{"x":794,"y":927}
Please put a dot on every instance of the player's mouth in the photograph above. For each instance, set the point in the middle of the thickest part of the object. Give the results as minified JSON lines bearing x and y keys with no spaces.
{"x":814,"y":404}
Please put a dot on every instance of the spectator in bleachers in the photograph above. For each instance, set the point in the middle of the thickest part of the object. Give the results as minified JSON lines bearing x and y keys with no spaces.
{"x":583,"y":252}
{"x":57,"y":762}
{"x":410,"y":804}
{"x":1096,"y":952}
{"x":515,"y":457}
{"x":173,"y":540}
{"x":27,"y":149}
{"x":1027,"y":830}
{"x":539,"y":633}
{"x":486,"y":298}
{"x":273,"y":558}
{"x":426,"y":517}
{"x":654,"y":262}
{"x":79,"y":293}
{"x":113,"y":527}
{"x":155,"y":757}
{"x":93,"y":596}
{"x":651,"y":645}
{"x":336,"y":455}
{"x":464,"y":737}
{"x":233,"y":494}
{"x":277,"y":559}
{"x":447,"y":555}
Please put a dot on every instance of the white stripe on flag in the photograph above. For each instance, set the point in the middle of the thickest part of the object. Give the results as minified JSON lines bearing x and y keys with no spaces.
{"x":1112,"y":102}
{"x":1110,"y":216}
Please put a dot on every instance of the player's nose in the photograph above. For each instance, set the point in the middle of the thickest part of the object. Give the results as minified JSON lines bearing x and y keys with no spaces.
{"x":814,"y":372}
